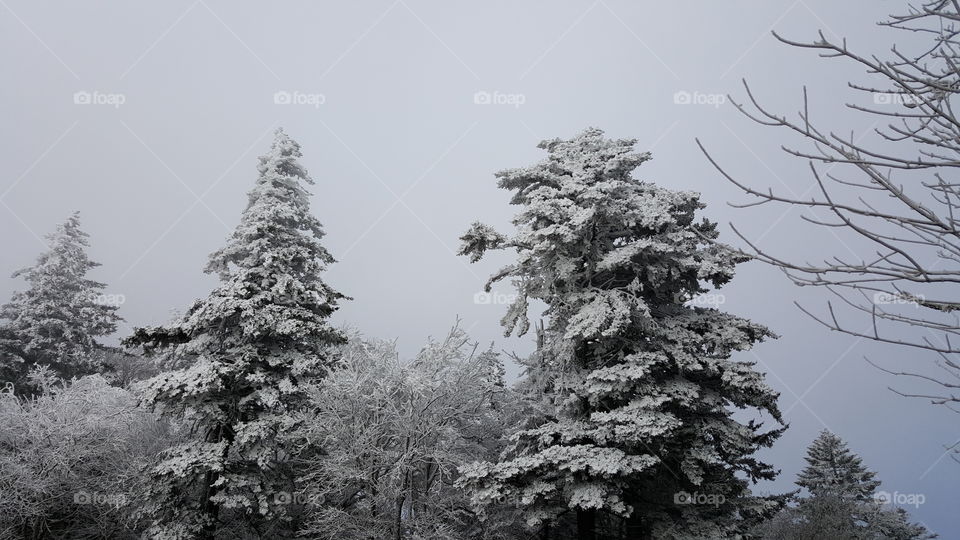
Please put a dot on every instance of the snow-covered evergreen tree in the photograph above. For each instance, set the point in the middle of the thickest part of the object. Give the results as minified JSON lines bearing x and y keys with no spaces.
{"x":842,"y":501}
{"x":832,"y":469}
{"x":56,"y":321}
{"x":247,"y":352}
{"x":643,"y":383}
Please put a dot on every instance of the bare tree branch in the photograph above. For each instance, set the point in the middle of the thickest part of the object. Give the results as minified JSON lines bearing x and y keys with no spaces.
{"x":894,"y":191}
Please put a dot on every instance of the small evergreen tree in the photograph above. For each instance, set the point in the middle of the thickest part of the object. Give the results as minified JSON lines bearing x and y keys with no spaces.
{"x":245,"y":354}
{"x":842,"y":501}
{"x":833,"y":470}
{"x":642,"y":382}
{"x":56,"y":321}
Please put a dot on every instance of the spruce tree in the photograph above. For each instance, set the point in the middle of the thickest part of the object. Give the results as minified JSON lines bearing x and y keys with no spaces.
{"x":249,"y":350}
{"x":56,"y":321}
{"x":842,"y":500}
{"x":643,"y":382}
{"x":833,"y":470}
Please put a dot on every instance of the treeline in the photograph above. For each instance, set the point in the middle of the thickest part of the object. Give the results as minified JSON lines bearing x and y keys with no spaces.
{"x":251,"y":416}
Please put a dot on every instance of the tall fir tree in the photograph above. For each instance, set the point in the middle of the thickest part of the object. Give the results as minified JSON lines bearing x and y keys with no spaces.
{"x":843,"y":501}
{"x":248,"y":351}
{"x":56,"y":321}
{"x":642,"y":382}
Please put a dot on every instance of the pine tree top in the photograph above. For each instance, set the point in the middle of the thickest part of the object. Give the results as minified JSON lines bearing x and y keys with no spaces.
{"x":66,"y":256}
{"x":602,"y":248}
{"x":270,"y":268}
{"x":832,"y":469}
{"x":277,"y":220}
{"x":56,"y":320}
{"x":271,"y":299}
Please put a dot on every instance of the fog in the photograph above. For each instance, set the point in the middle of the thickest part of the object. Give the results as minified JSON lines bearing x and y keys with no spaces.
{"x":147,"y":118}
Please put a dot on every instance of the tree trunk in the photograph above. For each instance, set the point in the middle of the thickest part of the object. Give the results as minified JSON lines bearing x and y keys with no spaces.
{"x":637,"y":528}
{"x":586,"y":524}
{"x":210,"y":509}
{"x":399,"y":519}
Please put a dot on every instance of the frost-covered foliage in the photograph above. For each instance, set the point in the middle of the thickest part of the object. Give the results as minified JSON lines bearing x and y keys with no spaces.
{"x":842,"y":501}
{"x":643,"y":383}
{"x":56,"y":321}
{"x":71,"y":458}
{"x":832,"y":469}
{"x":244,"y":355}
{"x":391,"y":434}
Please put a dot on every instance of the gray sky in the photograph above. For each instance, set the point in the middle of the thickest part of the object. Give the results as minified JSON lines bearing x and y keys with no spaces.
{"x":403,"y":156}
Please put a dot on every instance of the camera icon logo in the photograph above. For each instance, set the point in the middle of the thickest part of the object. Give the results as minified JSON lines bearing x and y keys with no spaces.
{"x":883,"y":99}
{"x":482,"y":98}
{"x":282,"y":97}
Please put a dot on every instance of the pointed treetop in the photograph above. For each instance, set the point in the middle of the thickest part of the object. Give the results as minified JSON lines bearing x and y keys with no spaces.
{"x":281,"y":159}
{"x":70,"y":226}
{"x":833,"y":469}
{"x":69,"y":232}
{"x":66,"y":244}
{"x":277,"y":216}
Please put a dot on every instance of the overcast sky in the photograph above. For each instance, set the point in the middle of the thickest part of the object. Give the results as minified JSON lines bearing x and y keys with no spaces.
{"x":148,"y":117}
